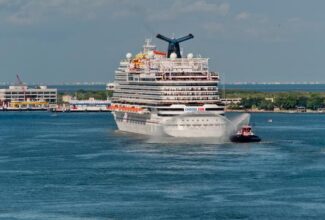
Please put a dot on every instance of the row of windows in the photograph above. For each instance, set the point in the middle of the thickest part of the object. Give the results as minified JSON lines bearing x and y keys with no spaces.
{"x":197,"y":125}
{"x":189,"y":93}
{"x":173,"y":83}
{"x":192,"y":89}
{"x":192,"y":98}
{"x":33,"y":93}
{"x":182,"y":109}
{"x":184,"y":74}
{"x":165,"y":94}
{"x":158,"y":89}
{"x":155,"y":97}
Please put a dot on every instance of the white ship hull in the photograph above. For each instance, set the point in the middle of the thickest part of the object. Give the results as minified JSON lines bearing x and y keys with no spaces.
{"x":165,"y":94}
{"x":199,"y":125}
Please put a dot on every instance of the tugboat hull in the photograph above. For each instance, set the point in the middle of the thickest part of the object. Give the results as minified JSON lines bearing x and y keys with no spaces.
{"x":244,"y":139}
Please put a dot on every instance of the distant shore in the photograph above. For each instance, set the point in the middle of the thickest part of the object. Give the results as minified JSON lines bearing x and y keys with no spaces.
{"x":280,"y":111}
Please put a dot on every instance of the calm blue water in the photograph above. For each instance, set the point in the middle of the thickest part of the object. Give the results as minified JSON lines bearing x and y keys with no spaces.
{"x":75,"y":166}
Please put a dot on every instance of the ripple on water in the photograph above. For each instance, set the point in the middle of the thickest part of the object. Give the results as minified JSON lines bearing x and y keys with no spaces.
{"x":76,"y":166}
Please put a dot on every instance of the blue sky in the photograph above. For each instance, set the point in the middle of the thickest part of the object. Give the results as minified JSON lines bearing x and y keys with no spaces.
{"x":55,"y":41}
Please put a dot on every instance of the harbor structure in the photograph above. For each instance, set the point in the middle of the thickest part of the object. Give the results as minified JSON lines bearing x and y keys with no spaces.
{"x":90,"y":105}
{"x":72,"y":104}
{"x":22,"y":97}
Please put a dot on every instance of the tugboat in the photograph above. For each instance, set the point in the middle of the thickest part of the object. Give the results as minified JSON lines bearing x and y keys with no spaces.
{"x":245,"y":135}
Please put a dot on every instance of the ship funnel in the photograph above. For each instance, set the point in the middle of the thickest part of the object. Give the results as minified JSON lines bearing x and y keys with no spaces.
{"x":173,"y":44}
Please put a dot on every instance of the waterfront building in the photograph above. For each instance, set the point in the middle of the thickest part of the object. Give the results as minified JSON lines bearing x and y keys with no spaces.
{"x":21,"y":96}
{"x":67,"y":98}
{"x":89,"y":105}
{"x":229,"y":101}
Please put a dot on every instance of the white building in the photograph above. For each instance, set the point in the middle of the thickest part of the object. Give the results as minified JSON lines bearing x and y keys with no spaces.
{"x":229,"y":101}
{"x":89,"y":105}
{"x":67,"y":98}
{"x":21,"y":93}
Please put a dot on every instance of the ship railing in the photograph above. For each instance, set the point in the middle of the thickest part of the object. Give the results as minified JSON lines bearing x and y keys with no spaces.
{"x":191,"y":79}
{"x":189,"y":90}
{"x":161,"y":94}
{"x":177,"y":65}
{"x":180,"y":62}
{"x":166,"y":88}
{"x":143,"y":103}
{"x":169,"y":98}
{"x":164,"y":75}
{"x":200,"y":89}
{"x":174,"y":73}
{"x":193,"y":93}
{"x":185,"y":77}
{"x":162,"y":102}
{"x":173,"y":82}
{"x":167,"y":77}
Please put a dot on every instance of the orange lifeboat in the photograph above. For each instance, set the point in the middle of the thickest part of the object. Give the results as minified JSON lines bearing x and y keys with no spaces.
{"x":124,"y":108}
{"x":157,"y":52}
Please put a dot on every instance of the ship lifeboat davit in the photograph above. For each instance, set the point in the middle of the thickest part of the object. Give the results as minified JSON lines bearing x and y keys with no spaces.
{"x":245,"y":135}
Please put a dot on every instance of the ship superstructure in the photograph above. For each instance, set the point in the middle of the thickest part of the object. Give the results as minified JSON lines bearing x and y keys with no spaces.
{"x":160,"y":93}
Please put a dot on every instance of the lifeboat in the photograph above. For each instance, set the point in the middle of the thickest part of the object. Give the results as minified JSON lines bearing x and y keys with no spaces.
{"x":161,"y":53}
{"x":124,"y":108}
{"x":245,"y":135}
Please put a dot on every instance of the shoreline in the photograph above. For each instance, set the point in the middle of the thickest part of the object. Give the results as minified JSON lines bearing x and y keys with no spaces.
{"x":280,"y":111}
{"x":226,"y":111}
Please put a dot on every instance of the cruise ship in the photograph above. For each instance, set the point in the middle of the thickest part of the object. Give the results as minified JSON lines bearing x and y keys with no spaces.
{"x":166,"y":94}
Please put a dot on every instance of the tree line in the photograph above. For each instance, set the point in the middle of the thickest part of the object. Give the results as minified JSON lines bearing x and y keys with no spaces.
{"x":85,"y":94}
{"x":281,"y":100}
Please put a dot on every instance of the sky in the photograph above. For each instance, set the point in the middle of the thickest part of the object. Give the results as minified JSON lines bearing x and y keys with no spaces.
{"x":67,"y":41}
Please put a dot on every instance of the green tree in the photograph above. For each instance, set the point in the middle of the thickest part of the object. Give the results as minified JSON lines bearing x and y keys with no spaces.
{"x":286,"y":101}
{"x":266,"y":105}
{"x":315,"y":102}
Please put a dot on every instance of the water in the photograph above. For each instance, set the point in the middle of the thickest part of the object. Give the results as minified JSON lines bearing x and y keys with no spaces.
{"x":76,"y":166}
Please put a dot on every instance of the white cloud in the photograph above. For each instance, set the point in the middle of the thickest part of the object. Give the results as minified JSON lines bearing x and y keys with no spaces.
{"x":203,"y":6}
{"x":214,"y":27}
{"x":30,"y":12}
{"x":294,"y":20}
{"x":23,"y":12}
{"x":242,"y":16}
{"x":189,"y":7}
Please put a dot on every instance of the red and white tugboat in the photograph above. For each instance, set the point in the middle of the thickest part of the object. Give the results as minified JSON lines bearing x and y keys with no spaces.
{"x":245,"y":135}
